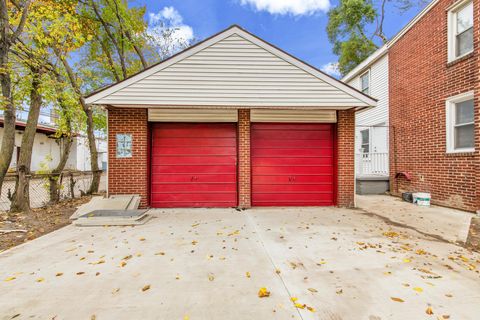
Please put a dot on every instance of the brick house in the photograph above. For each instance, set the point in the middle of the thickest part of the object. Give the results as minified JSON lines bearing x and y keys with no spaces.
{"x":232,"y":121}
{"x":433,"y":83}
{"x":434,"y":70}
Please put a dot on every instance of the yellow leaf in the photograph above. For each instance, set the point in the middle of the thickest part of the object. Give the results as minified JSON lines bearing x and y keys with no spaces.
{"x":145,"y":288}
{"x":429,"y":311}
{"x":407,"y":260}
{"x":123,"y":264}
{"x":397,"y":299}
{"x":186,"y":318}
{"x":194,"y":242}
{"x":211,"y":277}
{"x":142,"y":239}
{"x":390,"y":234}
{"x":98,"y":262}
{"x":293,"y":299}
{"x":263,"y":293}
{"x":10,"y":279}
{"x":40,"y":280}
{"x":418,"y":289}
{"x":248,"y":274}
{"x":300,"y":306}
{"x":311,"y":309}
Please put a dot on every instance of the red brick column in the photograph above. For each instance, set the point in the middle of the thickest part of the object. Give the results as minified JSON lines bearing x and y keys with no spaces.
{"x":128,"y":175}
{"x":244,"y":186}
{"x":346,"y":158}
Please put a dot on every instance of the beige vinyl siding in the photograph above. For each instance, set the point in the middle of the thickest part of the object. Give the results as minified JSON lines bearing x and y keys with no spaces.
{"x":192,"y":115}
{"x":298,"y":116}
{"x":378,"y":90}
{"x":232,"y":72}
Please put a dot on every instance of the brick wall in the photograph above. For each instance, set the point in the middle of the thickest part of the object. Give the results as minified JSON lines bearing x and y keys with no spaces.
{"x":420,"y":82}
{"x":128,"y":175}
{"x":346,"y":158}
{"x":244,"y":183}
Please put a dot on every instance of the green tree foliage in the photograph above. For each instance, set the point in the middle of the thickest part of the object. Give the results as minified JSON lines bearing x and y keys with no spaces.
{"x":355,"y":28}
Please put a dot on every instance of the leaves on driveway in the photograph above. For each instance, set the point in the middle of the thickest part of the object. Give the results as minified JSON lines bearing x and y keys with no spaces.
{"x":263,"y":293}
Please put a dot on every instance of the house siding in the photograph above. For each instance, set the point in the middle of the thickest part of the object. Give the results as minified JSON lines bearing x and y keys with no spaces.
{"x":232,"y":72}
{"x":378,"y":90}
{"x":421,"y":80}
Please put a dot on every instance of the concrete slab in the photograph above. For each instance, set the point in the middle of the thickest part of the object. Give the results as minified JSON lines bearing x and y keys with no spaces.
{"x":118,"y":202}
{"x":343,"y":263}
{"x":446,"y":223}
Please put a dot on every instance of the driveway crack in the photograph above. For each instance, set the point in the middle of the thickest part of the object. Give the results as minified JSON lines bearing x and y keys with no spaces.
{"x":275,"y":267}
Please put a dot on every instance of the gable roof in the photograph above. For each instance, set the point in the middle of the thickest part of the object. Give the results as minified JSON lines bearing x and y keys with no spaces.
{"x":384,"y":49}
{"x":231,"y":68}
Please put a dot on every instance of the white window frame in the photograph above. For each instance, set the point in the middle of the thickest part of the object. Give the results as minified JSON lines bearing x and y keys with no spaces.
{"x":452,"y":30}
{"x":367,"y":73}
{"x":450,"y":117}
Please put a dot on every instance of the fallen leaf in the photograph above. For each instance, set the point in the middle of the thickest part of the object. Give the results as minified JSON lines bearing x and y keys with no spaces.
{"x":248,"y":274}
{"x":123,"y":264}
{"x":98,"y":262}
{"x":80,"y":273}
{"x":407,"y":260}
{"x":300,"y":306}
{"x":127,"y":257}
{"x":115,"y":290}
{"x":294,"y":299}
{"x":145,"y":288}
{"x":397,"y":299}
{"x":277,"y":271}
{"x":418,"y":289}
{"x":59,"y":274}
{"x":340,"y":291}
{"x":40,"y":280}
{"x":311,"y":309}
{"x":160,"y":253}
{"x":312,"y":290}
{"x":194,"y":242}
{"x":263,"y":293}
{"x":142,"y":239}
{"x":211,"y":277}
{"x":10,"y":279}
{"x":390,"y":234}
{"x":429,"y":311}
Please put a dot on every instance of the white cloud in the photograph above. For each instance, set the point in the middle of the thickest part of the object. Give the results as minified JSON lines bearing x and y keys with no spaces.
{"x":168,"y":31}
{"x":331,"y":68}
{"x":294,"y":7}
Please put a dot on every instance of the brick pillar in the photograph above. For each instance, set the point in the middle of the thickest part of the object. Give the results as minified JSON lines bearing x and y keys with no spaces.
{"x":128,"y":175}
{"x":346,"y":158}
{"x":244,"y":189}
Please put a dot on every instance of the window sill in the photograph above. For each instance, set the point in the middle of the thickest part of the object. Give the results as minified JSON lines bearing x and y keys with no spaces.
{"x":460,"y":59}
{"x":461,"y":153}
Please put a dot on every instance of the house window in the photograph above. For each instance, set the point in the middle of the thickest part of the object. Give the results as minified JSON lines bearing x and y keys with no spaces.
{"x":460,"y":123}
{"x":365,"y":82}
{"x":124,"y":145}
{"x":365,"y":146}
{"x":460,"y":30}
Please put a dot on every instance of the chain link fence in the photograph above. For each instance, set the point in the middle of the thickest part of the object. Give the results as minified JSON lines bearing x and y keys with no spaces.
{"x":76,"y":182}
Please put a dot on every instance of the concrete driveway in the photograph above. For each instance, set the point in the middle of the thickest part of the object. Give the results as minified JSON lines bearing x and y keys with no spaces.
{"x":210,"y":264}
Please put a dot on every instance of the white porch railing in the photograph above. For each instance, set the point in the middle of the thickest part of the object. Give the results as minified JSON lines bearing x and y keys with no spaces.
{"x":372,"y":163}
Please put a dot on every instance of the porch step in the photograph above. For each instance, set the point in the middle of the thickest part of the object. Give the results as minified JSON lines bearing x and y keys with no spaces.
{"x":372,"y":184}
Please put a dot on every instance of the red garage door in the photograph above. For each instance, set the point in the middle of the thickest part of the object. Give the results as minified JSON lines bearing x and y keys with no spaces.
{"x":292,"y":164}
{"x":193,"y":165}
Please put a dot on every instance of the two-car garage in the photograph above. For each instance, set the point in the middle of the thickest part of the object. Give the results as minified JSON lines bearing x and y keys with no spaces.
{"x":232,"y":122}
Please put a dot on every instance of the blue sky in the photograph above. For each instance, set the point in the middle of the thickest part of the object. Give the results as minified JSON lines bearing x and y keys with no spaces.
{"x":296,"y":26}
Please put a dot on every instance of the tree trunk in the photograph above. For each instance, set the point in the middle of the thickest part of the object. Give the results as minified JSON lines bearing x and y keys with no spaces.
{"x":8,"y":140}
{"x":96,"y":173}
{"x":54,"y":178}
{"x":21,"y":197}
{"x":90,"y":125}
